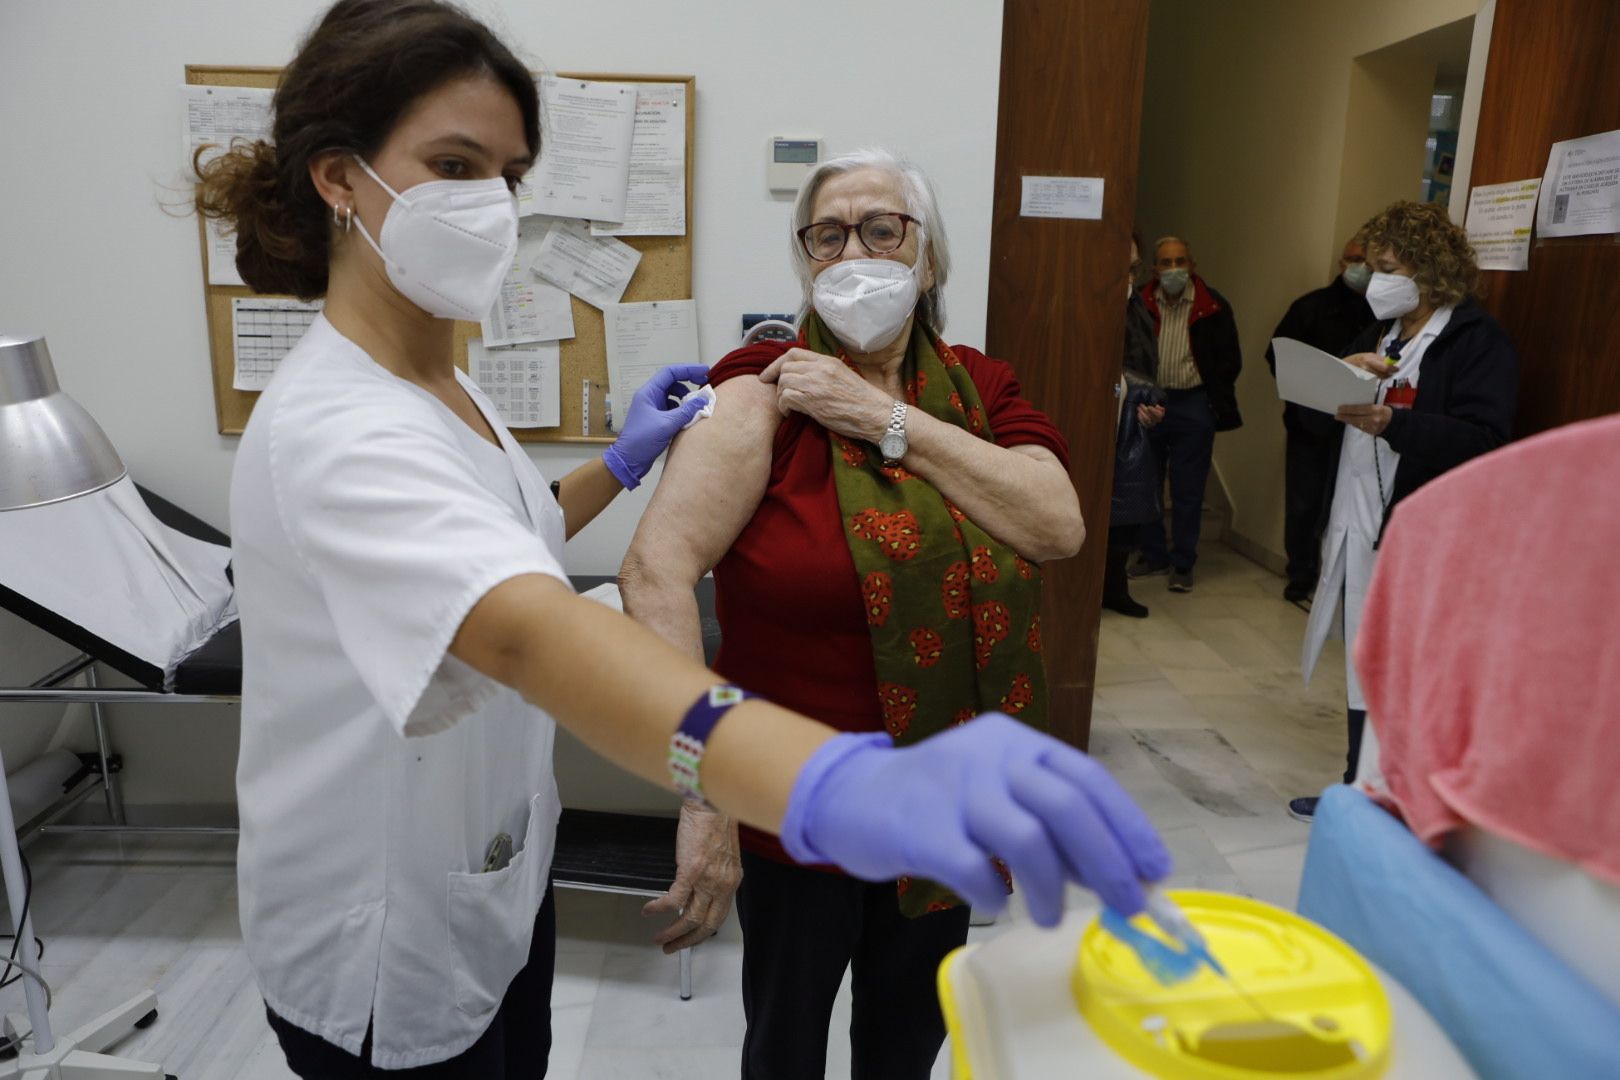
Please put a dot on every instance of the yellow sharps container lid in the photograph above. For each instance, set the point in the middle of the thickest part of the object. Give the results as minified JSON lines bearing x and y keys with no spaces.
{"x":1318,"y":1011}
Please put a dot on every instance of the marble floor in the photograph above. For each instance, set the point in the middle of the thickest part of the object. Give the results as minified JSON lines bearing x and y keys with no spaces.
{"x":1199,"y":712}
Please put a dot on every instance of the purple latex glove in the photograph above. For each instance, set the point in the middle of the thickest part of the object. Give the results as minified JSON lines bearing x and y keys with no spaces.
{"x":656,"y":415}
{"x":942,"y":807}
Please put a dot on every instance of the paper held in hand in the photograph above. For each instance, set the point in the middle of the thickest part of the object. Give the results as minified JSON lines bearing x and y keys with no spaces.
{"x":1317,"y":380}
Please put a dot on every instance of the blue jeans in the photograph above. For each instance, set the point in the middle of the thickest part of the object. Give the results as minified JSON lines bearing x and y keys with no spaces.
{"x":1184,"y":442}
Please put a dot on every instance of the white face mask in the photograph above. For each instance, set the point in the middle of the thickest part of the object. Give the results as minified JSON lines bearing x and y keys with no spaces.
{"x":447,"y":244}
{"x":1390,"y":295}
{"x":866,"y":302}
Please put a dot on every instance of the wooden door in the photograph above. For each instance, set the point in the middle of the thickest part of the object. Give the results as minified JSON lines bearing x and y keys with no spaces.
{"x":1551,"y":76}
{"x":1071,"y":105}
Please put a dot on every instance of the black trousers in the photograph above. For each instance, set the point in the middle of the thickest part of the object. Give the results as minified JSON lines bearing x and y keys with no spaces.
{"x":515,"y":1047}
{"x":1357,"y":719}
{"x":801,"y":930}
{"x":1307,"y":465}
{"x":1184,"y":443}
{"x":1122,"y":540}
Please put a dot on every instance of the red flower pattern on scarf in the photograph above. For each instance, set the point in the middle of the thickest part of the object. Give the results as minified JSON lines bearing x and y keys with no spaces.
{"x":990,"y":628}
{"x":1020,"y":697}
{"x":901,"y":538}
{"x":899,"y":704}
{"x":928,"y":644}
{"x":866,"y":524}
{"x":955,"y":591}
{"x":984,"y":565}
{"x":878,"y":589}
{"x":897,"y":534}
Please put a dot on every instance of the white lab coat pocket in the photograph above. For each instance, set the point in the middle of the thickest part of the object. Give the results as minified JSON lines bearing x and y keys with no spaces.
{"x":492,"y":915}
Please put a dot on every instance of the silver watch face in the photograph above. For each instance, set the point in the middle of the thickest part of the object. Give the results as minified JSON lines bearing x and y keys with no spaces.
{"x":892,"y":446}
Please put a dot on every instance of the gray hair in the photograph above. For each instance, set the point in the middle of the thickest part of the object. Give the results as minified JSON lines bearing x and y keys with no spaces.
{"x":921,"y":203}
{"x":1163,"y":240}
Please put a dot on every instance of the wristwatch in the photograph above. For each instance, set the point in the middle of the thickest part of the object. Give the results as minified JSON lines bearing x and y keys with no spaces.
{"x":893,"y":443}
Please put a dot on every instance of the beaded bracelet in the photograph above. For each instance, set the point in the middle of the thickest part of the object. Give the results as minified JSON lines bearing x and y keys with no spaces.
{"x":686,"y":746}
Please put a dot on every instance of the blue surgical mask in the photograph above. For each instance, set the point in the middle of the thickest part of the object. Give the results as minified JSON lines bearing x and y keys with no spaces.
{"x":1356,"y":275}
{"x":1173,"y":282}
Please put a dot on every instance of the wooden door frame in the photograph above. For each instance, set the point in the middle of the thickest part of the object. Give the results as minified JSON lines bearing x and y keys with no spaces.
{"x":1071,"y":104}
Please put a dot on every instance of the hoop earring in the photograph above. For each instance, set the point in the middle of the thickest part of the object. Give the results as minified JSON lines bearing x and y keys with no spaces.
{"x":343,"y":218}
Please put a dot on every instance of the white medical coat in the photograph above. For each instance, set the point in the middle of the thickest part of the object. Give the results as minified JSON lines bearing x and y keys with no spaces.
{"x":1360,"y":493}
{"x":375,"y":768}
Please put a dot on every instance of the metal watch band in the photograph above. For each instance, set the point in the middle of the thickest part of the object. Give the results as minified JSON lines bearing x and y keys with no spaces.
{"x":897,"y":418}
{"x":894,"y":435}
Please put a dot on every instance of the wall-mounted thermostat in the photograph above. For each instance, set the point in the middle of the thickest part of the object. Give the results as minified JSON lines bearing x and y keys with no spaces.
{"x":789,"y":161}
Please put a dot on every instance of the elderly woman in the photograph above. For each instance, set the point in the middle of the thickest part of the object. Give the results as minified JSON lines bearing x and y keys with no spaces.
{"x":875,"y":505}
{"x":1448,"y":384}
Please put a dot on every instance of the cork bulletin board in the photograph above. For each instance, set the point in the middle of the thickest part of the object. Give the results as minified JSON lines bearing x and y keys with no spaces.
{"x":664,"y":273}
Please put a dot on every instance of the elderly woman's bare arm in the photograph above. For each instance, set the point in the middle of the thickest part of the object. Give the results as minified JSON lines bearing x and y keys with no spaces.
{"x":1021,"y":495}
{"x":713,"y":481}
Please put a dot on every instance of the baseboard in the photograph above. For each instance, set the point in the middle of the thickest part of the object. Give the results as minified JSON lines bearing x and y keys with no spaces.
{"x":1256,"y":552}
{"x":93,"y":811}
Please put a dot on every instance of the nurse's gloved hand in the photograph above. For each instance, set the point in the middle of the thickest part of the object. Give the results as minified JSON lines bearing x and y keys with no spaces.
{"x":657,"y":413}
{"x":941,"y":808}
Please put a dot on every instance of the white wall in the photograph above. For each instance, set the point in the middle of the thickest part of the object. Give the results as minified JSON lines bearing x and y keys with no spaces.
{"x":92,"y":147}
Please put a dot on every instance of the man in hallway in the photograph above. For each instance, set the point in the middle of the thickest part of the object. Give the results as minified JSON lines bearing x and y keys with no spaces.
{"x":1199,"y":361}
{"x":1328,"y":318}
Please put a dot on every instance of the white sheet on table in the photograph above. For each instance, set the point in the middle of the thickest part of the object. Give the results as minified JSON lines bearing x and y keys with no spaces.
{"x":105,"y":562}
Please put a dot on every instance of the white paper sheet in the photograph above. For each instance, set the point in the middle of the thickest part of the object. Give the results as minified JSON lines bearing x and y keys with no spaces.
{"x":1062,"y":197}
{"x":594,"y":268}
{"x":584,"y":164}
{"x":1317,"y":380}
{"x":1581,"y":187}
{"x":641,"y":338}
{"x":1500,"y":217}
{"x":529,"y":309}
{"x":655,"y":197}
{"x":214,"y":116}
{"x":263,"y":328}
{"x":524,"y":382}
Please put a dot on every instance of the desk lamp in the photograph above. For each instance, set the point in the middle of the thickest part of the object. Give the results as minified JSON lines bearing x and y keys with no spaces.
{"x":51,"y":450}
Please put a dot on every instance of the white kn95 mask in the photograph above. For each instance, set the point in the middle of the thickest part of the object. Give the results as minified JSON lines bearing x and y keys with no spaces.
{"x":866,"y":302}
{"x":1391,"y":295}
{"x":447,"y":244}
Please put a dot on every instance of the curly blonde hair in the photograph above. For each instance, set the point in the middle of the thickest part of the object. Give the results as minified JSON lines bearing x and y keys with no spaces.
{"x":1423,"y":236}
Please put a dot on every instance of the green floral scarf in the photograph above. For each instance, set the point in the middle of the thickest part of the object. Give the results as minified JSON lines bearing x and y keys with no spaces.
{"x":954,"y":613}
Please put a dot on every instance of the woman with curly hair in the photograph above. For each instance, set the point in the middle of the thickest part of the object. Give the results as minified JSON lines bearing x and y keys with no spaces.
{"x":1448,"y":383}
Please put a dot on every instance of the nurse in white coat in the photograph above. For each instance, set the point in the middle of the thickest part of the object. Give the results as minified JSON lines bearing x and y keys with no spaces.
{"x":1448,"y":379}
{"x":409,"y":633}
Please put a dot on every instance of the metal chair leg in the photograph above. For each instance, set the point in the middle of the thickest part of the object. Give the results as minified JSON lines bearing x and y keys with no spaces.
{"x":109,"y":779}
{"x":686,"y":974}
